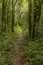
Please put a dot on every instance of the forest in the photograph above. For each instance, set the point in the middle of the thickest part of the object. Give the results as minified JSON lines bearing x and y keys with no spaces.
{"x":21,"y":32}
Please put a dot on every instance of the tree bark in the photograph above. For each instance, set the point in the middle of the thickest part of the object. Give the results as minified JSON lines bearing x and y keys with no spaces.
{"x":13,"y":15}
{"x":30,"y":22}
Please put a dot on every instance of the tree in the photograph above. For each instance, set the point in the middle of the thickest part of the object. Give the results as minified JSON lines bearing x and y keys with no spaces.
{"x":13,"y":16}
{"x":3,"y":15}
{"x":37,"y":14}
{"x":30,"y":22}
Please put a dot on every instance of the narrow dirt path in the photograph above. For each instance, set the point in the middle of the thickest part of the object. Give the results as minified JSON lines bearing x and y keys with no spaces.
{"x":18,"y":55}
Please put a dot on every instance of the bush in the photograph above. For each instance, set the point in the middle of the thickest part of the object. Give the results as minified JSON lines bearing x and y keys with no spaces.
{"x":6,"y":49}
{"x":34,"y":53}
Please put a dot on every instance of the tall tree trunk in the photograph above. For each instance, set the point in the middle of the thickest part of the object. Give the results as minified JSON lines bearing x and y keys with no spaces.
{"x":12,"y":15}
{"x":37,"y":14}
{"x":8,"y":7}
{"x":30,"y":23}
{"x":3,"y":15}
{"x":35,"y":18}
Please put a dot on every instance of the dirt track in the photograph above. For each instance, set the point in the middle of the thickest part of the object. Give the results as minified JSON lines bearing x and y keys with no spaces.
{"x":18,"y":55}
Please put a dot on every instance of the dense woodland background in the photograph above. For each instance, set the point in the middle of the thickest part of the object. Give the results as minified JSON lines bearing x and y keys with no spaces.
{"x":21,"y":26}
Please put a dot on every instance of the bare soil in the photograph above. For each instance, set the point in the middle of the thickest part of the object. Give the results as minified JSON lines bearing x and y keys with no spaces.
{"x":19,"y":58}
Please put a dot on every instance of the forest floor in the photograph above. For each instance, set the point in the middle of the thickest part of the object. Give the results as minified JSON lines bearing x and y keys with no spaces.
{"x":19,"y":58}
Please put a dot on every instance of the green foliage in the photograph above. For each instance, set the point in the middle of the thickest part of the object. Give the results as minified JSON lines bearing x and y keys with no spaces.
{"x":6,"y":49}
{"x":33,"y":49}
{"x":34,"y":53}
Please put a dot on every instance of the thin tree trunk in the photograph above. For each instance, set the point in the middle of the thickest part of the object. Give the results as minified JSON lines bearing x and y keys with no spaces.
{"x":12,"y":15}
{"x":30,"y":23}
{"x":3,"y":15}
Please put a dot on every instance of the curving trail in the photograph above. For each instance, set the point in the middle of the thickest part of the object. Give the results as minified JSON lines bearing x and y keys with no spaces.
{"x":18,"y":54}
